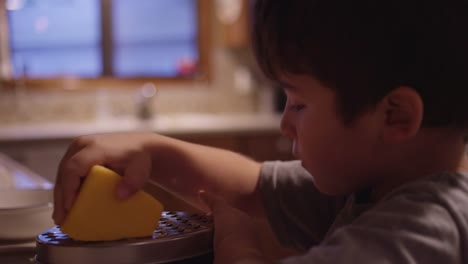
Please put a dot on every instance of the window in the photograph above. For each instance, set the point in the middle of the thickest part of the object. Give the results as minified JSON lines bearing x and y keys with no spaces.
{"x":148,"y":43}
{"x":55,"y":38}
{"x":106,"y":38}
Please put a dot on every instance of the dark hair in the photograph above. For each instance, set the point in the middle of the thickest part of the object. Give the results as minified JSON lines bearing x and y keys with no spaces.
{"x":363,"y":49}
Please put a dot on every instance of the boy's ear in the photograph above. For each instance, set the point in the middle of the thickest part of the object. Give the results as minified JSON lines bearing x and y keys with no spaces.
{"x":403,"y":111}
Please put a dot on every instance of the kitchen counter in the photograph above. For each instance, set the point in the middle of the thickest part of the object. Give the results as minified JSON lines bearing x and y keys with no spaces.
{"x":164,"y":124}
{"x":40,"y":147}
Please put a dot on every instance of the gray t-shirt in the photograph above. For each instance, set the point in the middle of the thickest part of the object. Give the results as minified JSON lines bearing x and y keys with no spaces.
{"x":425,"y":221}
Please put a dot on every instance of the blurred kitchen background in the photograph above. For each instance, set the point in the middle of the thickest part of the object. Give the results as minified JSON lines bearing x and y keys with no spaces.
{"x":182,"y":68}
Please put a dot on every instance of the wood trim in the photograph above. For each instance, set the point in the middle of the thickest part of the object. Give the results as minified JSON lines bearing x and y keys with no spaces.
{"x":5,"y":60}
{"x":107,"y":45}
{"x":205,"y":38}
{"x":74,"y":83}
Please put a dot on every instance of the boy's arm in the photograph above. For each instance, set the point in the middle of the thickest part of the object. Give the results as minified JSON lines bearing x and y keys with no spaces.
{"x":183,"y":167}
{"x":187,"y":168}
{"x":236,"y":240}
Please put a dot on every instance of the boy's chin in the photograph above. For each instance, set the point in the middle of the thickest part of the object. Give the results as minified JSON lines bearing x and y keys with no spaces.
{"x":332,"y":190}
{"x":327,"y":186}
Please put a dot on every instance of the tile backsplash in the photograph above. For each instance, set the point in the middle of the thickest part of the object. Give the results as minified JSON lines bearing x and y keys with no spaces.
{"x":219,"y":96}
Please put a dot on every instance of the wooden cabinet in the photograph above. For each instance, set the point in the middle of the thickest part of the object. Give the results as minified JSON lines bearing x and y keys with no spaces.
{"x":264,"y":147}
{"x":43,"y":156}
{"x":260,"y":146}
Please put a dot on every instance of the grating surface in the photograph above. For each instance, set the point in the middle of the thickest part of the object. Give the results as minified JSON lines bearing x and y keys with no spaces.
{"x":179,"y":236}
{"x":171,"y":224}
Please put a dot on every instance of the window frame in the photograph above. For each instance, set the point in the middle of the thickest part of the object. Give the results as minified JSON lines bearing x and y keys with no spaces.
{"x":106,"y":80}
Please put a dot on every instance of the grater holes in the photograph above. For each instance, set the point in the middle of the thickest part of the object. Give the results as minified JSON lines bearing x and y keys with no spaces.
{"x":160,"y":233}
{"x":171,"y":224}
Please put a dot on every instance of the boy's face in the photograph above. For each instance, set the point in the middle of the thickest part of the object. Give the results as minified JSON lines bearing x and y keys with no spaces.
{"x":340,"y":158}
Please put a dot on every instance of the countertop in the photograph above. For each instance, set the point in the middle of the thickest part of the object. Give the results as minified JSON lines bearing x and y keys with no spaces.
{"x":175,"y":124}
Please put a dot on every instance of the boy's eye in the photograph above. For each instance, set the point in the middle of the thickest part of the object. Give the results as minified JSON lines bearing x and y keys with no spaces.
{"x":296,"y":107}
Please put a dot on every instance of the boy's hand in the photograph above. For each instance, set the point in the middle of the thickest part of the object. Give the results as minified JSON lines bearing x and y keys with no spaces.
{"x":123,"y":153}
{"x":235,"y":238}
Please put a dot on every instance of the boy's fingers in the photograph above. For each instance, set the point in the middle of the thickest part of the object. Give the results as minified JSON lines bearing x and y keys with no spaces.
{"x":136,"y":174}
{"x":74,"y":148}
{"x":59,"y":210}
{"x":71,"y":173}
{"x":63,"y":174}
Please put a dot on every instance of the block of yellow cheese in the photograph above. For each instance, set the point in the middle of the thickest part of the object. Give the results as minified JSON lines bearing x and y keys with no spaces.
{"x":99,"y":215}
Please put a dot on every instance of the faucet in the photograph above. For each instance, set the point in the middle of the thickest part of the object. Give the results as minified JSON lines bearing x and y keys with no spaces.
{"x":146,"y":95}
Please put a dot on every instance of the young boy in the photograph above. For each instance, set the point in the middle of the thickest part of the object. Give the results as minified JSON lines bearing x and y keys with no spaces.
{"x":376,"y":93}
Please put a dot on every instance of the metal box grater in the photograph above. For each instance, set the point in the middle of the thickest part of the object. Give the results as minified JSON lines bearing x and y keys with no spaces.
{"x":180,"y":238}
